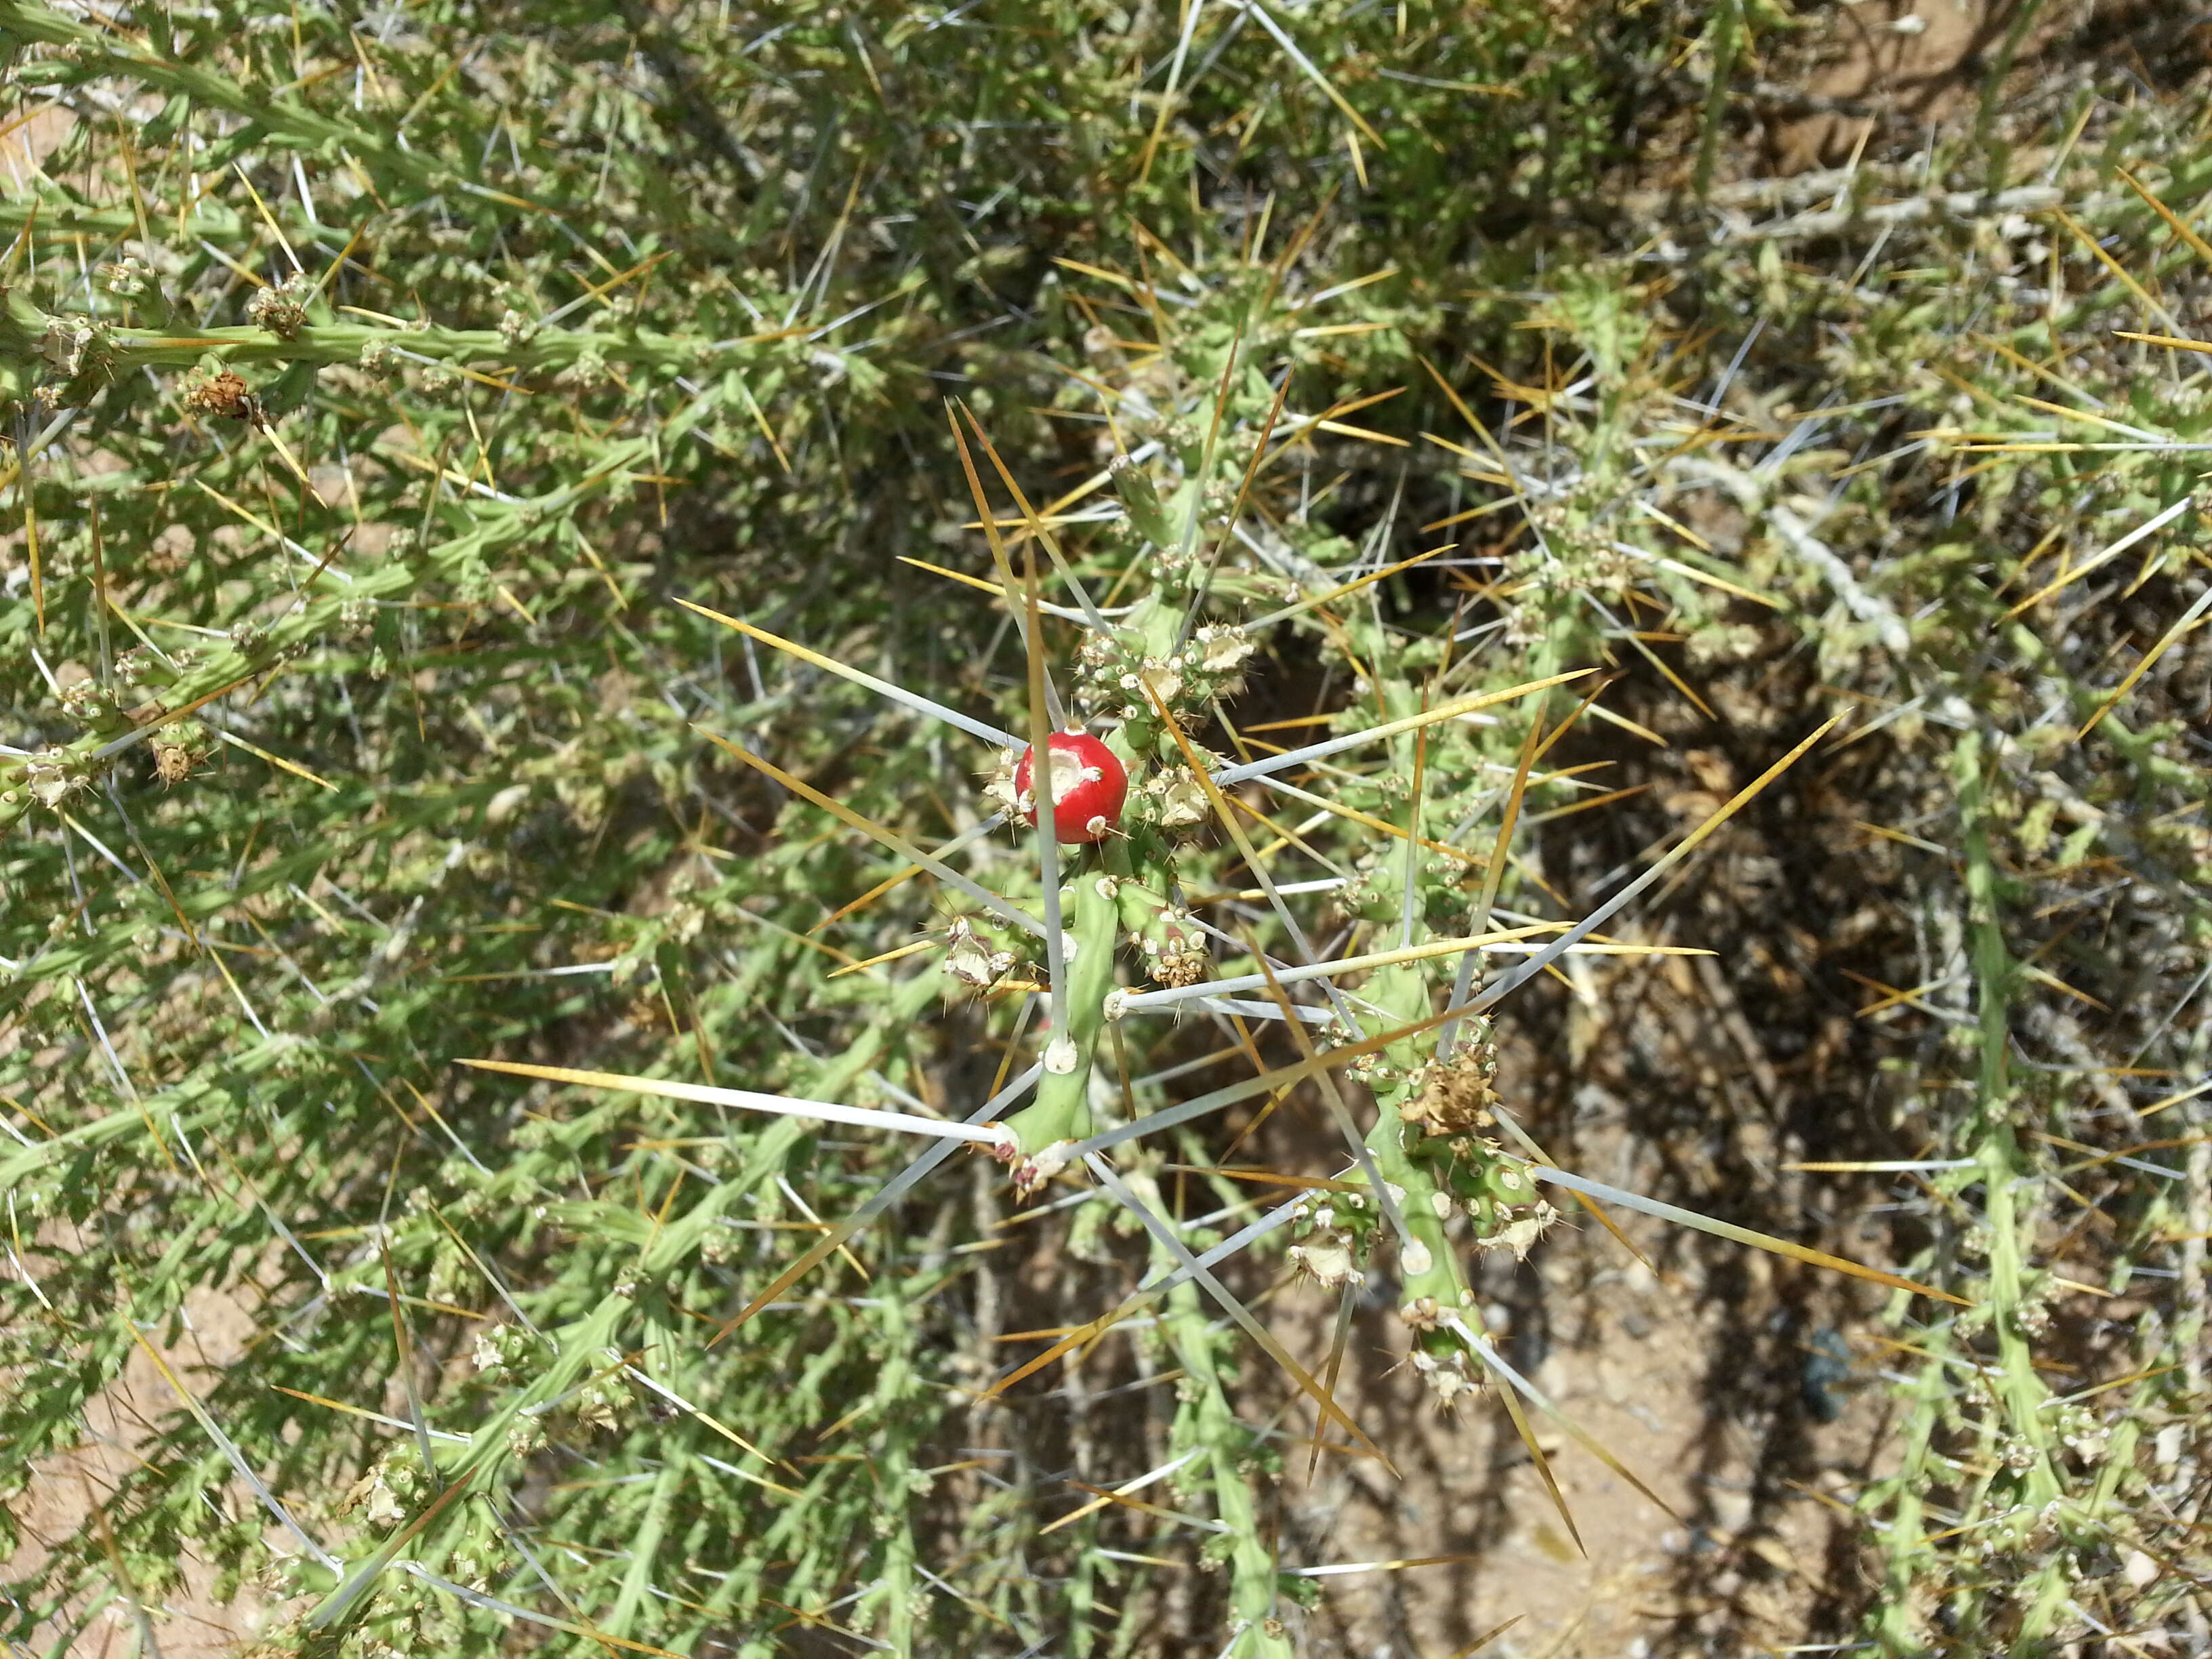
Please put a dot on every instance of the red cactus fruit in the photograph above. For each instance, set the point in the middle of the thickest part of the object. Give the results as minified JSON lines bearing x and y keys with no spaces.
{"x":1089,"y":784}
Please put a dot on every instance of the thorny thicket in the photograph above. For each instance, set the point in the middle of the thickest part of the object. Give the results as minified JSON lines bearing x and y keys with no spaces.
{"x":377,"y":385}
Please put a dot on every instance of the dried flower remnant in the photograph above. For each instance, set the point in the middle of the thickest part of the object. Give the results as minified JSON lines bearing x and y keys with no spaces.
{"x":282,"y":310}
{"x":177,"y":748}
{"x":1454,"y":1096}
{"x":1173,"y":947}
{"x":1325,"y":1257}
{"x":53,"y":777}
{"x":971,"y":957}
{"x":1178,"y":798}
{"x":1519,"y":1233}
{"x":223,"y":392}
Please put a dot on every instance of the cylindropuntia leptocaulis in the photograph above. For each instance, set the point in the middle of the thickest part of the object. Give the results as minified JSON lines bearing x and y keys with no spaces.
{"x":1127,"y":805}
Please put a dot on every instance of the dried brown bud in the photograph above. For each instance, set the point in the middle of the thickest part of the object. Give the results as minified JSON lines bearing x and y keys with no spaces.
{"x":282,"y":310}
{"x":222,"y":393}
{"x":1180,"y":968}
{"x":1456,"y":1096}
{"x":177,"y":749}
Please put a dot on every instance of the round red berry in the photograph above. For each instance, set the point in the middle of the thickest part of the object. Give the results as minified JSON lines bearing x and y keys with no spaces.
{"x":1088,"y":788}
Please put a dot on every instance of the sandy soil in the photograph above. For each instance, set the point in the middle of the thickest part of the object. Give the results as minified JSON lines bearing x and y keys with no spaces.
{"x":65,"y":1496}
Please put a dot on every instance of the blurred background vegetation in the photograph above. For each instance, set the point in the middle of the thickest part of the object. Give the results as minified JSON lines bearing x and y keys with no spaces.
{"x":376,"y":379}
